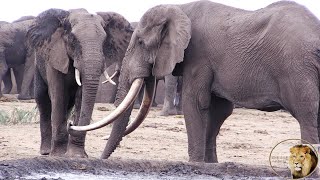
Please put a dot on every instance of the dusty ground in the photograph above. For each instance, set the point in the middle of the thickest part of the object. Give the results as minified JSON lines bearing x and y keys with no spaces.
{"x":247,"y":136}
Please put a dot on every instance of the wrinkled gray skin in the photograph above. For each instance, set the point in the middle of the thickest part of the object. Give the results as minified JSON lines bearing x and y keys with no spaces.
{"x":267,"y":59}
{"x":16,"y":54}
{"x":66,"y":40}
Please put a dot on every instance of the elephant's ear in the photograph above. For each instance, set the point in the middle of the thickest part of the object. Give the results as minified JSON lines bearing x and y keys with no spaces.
{"x":119,"y":32}
{"x":176,"y":34}
{"x":55,"y":52}
{"x":45,"y":35}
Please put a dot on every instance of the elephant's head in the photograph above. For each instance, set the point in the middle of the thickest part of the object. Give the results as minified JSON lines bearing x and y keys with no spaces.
{"x":156,"y":46}
{"x":78,"y":42}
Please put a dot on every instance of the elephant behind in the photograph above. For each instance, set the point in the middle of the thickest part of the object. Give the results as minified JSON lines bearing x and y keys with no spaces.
{"x":16,"y":54}
{"x":73,"y":49}
{"x":171,"y":98}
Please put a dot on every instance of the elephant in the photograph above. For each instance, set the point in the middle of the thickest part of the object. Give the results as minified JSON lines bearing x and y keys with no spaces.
{"x":72,"y":50}
{"x":172,"y":96}
{"x":16,"y":54}
{"x":267,"y":59}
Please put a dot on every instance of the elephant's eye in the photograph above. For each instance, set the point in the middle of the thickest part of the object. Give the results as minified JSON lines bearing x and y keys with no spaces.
{"x":140,"y":41}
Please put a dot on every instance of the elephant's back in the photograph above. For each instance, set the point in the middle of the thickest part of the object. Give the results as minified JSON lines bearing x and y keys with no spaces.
{"x":16,"y":51}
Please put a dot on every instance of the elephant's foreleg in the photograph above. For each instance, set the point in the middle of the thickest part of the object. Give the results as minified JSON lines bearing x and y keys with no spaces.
{"x":196,"y":96}
{"x":170,"y":92}
{"x":73,"y":148}
{"x":44,"y":105}
{"x":59,"y":98}
{"x":28,"y":75}
{"x":7,"y":82}
{"x":220,"y":110}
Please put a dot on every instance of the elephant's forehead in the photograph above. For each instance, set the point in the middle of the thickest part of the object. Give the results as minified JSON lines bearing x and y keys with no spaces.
{"x":154,"y":16}
{"x":78,"y":18}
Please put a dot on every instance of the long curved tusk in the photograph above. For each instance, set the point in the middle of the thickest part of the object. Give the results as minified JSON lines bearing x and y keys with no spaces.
{"x":108,"y":78}
{"x":148,"y":97}
{"x":77,"y":74}
{"x":124,"y":105}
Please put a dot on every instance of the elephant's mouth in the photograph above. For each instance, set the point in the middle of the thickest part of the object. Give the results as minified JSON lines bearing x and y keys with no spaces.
{"x":149,"y":91}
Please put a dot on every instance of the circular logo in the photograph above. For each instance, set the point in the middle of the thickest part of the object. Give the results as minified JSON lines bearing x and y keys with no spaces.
{"x":294,"y":158}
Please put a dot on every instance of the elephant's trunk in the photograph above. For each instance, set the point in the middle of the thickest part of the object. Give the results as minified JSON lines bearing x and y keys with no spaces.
{"x":90,"y":76}
{"x":119,"y":126}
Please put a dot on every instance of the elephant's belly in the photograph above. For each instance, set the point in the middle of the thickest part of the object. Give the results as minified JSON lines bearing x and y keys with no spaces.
{"x":261,"y":98}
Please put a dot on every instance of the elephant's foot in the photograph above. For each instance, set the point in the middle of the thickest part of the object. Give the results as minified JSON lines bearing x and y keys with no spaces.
{"x":179,"y":112}
{"x":23,"y":97}
{"x":212,"y":158}
{"x":57,"y":153}
{"x":76,"y":151}
{"x":58,"y":148}
{"x":45,"y":151}
{"x":6,"y":91}
{"x":168,"y":112}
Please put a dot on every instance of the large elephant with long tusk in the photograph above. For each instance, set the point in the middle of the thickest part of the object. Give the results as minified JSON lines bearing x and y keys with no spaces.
{"x":72,"y":50}
{"x":268,"y":59}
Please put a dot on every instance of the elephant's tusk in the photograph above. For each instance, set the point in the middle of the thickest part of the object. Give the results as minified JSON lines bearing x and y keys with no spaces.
{"x":124,"y":105}
{"x":108,"y":78}
{"x":77,"y":74}
{"x":148,"y":96}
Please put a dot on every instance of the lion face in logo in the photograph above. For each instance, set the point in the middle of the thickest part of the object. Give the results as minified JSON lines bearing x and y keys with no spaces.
{"x":302,"y":161}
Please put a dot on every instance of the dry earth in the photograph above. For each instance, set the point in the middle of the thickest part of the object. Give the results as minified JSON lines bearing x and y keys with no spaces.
{"x":246,"y":137}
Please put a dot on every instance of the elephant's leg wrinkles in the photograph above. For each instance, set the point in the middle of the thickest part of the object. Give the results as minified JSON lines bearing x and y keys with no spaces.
{"x":44,"y":106}
{"x":196,"y":106}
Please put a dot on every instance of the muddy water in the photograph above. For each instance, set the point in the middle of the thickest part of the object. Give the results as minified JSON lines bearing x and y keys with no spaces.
{"x":79,"y":169}
{"x":122,"y":175}
{"x":112,"y":176}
